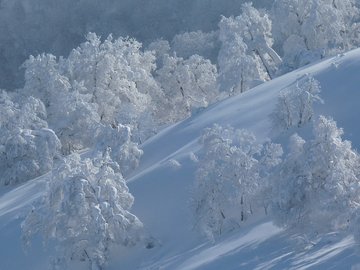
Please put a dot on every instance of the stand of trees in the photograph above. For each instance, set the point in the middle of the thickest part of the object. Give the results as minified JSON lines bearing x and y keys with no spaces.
{"x":110,"y":95}
{"x":313,"y":189}
{"x":232,"y":173}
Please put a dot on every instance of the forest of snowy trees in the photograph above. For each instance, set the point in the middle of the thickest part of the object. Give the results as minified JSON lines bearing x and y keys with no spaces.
{"x":109,"y":94}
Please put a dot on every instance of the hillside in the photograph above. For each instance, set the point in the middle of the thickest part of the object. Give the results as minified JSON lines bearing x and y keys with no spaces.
{"x":162,"y":186}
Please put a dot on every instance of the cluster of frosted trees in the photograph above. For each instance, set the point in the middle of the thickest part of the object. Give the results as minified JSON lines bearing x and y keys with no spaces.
{"x":307,"y":31}
{"x":266,"y":46}
{"x":110,"y":95}
{"x":102,"y":90}
{"x":33,"y":26}
{"x":106,"y":83}
{"x":313,"y":188}
{"x":257,"y":46}
{"x":232,"y":173}
{"x":317,"y":185}
{"x":106,"y":97}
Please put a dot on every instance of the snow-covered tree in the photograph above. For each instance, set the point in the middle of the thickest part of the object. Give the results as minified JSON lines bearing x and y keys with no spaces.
{"x":289,"y":185}
{"x":161,"y":48}
{"x":27,"y":154}
{"x":237,"y":71}
{"x":69,"y":111}
{"x":316,"y":188}
{"x":85,"y":211}
{"x":123,"y":150}
{"x":43,"y":79}
{"x":116,"y":73}
{"x":187,"y":85}
{"x":295,"y":104}
{"x":336,"y":170}
{"x":76,"y":120}
{"x":246,"y":57}
{"x":229,"y":178}
{"x":312,"y":29}
{"x":106,"y":83}
{"x":118,"y":77}
{"x":269,"y":158}
{"x":17,"y":112}
{"x":255,"y":27}
{"x":27,"y":147}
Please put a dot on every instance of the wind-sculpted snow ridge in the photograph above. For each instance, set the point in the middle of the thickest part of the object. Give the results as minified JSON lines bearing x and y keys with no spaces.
{"x":162,"y":185}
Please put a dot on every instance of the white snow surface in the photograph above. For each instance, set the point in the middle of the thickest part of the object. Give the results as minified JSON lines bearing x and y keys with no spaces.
{"x":162,"y":191}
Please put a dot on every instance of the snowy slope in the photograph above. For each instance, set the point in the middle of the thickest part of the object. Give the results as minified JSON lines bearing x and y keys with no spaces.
{"x":162,"y":190}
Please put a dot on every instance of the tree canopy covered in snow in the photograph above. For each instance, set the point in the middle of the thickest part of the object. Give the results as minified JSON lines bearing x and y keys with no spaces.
{"x":316,"y":188}
{"x":230,"y":177}
{"x":85,"y":210}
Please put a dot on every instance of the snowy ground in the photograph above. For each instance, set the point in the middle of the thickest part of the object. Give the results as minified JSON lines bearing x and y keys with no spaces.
{"x":162,"y":190}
